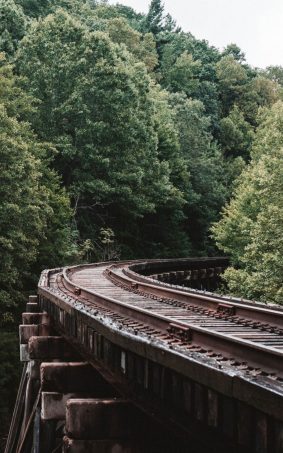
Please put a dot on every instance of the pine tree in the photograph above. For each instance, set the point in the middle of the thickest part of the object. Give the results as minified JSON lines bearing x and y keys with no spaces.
{"x":154,"y":20}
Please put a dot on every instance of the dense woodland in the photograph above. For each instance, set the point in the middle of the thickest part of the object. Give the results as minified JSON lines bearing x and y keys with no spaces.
{"x":123,"y":136}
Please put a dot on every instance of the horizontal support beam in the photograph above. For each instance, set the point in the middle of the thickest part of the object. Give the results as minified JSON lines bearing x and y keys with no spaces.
{"x":35,"y":318}
{"x":44,"y":348}
{"x":32,"y":307}
{"x":73,"y":377}
{"x":33,"y":298}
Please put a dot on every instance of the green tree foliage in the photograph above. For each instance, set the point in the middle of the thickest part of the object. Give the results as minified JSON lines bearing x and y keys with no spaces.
{"x":242,"y":92}
{"x":232,"y":78}
{"x":259,"y":92}
{"x":159,"y":24}
{"x":154,"y":20}
{"x":183,"y":75}
{"x":234,"y":51}
{"x":20,"y":205}
{"x":163,"y":233}
{"x":188,"y":65}
{"x":206,"y":192}
{"x":12,"y":26}
{"x":107,"y":12}
{"x":169,"y":160}
{"x":88,"y":86}
{"x":251,"y":227}
{"x":30,"y":196}
{"x":274,"y":73}
{"x":143,"y":47}
{"x":240,"y":85}
{"x":236,"y":134}
{"x":41,"y":8}
{"x":34,"y":8}
{"x":134,"y":19}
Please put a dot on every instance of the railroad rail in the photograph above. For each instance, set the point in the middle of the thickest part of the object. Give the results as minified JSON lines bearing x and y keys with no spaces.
{"x":207,"y":367}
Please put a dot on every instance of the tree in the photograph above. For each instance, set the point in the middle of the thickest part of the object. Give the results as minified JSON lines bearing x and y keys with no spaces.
{"x":12,"y":26}
{"x":251,"y":226}
{"x":258,"y":92}
{"x":21,"y":224}
{"x":40,"y":8}
{"x":274,"y":73}
{"x":190,"y":65}
{"x":206,"y":192}
{"x":143,"y":47}
{"x":108,"y":12}
{"x":30,"y":197}
{"x":96,"y":106}
{"x":183,"y":75}
{"x":232,"y":77}
{"x":236,"y":134}
{"x":154,"y":20}
{"x":234,"y":51}
{"x":163,"y":233}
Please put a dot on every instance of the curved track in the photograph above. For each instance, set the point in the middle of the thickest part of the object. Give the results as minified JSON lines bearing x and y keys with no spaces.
{"x":247,"y":337}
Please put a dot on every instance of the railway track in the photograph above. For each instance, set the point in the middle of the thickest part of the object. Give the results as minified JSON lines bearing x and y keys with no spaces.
{"x":246,"y":336}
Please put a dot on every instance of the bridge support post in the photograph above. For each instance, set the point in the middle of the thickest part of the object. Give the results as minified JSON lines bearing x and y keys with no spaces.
{"x":99,"y":425}
{"x":60,"y":382}
{"x":32,"y":304}
{"x":47,"y":439}
{"x":34,"y":323}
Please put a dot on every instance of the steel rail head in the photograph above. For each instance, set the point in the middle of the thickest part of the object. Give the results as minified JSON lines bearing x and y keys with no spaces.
{"x":259,"y":354}
{"x":246,"y":306}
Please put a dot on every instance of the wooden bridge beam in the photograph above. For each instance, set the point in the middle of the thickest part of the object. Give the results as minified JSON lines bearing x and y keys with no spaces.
{"x":94,"y":419}
{"x":49,"y":348}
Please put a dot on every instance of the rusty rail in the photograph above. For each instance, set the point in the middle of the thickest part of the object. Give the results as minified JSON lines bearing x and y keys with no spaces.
{"x":258,"y":354}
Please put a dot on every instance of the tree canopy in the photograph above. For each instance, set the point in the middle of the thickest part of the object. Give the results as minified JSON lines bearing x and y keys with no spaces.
{"x":13,"y":24}
{"x":125,"y":124}
{"x":33,"y":207}
{"x":146,"y":127}
{"x":251,"y":227}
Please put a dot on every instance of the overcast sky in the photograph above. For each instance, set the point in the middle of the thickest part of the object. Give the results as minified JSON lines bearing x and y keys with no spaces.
{"x":255,"y":25}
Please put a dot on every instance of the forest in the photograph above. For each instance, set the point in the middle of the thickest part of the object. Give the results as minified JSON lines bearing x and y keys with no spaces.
{"x":122,"y":136}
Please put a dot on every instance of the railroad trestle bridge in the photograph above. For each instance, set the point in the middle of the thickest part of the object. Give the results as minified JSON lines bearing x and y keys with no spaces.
{"x":136,"y":357}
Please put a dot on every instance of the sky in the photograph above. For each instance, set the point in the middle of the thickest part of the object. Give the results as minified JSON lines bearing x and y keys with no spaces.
{"x":256,"y":26}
